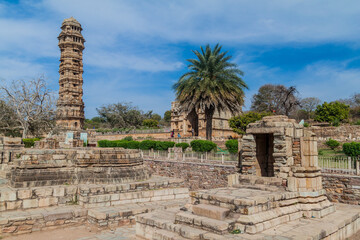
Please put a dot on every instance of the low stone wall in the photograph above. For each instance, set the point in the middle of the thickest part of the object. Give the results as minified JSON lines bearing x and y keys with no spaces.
{"x":197,"y":175}
{"x":344,"y":133}
{"x":342,"y":188}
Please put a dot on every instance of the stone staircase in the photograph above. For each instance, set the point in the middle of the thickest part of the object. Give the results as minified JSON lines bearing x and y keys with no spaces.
{"x":215,"y":213}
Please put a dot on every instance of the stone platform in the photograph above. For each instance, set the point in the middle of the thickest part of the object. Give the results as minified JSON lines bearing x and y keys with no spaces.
{"x":24,"y":210}
{"x":340,"y":225}
{"x":46,"y":167}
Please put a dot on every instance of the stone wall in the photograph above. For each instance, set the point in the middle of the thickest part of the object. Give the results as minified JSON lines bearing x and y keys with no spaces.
{"x":342,"y":188}
{"x":343,"y":133}
{"x":197,"y":175}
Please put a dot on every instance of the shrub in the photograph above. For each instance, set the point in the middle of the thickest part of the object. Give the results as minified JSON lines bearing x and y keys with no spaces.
{"x":102,"y":143}
{"x":202,"y":145}
{"x":147,"y":144}
{"x":232,"y":145}
{"x":128,"y":138}
{"x":183,"y":145}
{"x":159,"y":145}
{"x":306,"y":124}
{"x":239,"y":123}
{"x":133,"y":145}
{"x":123,"y":144}
{"x":30,"y":142}
{"x":331,"y":143}
{"x":352,"y":149}
{"x":320,"y":152}
{"x":151,"y":123}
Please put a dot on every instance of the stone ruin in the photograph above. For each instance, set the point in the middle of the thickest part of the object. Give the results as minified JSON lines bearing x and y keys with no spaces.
{"x":60,"y":183}
{"x":278,"y":194}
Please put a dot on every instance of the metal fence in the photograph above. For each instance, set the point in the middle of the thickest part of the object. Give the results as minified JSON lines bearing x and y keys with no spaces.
{"x":213,"y":158}
{"x":340,"y":165}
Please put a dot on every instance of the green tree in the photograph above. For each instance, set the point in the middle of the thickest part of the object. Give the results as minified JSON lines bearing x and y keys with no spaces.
{"x":150,"y":123}
{"x":167,"y":116}
{"x":239,"y":123}
{"x":156,"y":117}
{"x":333,"y":112}
{"x":212,"y":83}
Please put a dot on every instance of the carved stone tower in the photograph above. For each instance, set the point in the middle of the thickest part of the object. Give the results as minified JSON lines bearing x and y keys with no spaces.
{"x":70,"y":106}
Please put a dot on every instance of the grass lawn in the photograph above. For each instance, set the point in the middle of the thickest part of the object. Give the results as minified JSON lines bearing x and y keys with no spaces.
{"x":326,"y":152}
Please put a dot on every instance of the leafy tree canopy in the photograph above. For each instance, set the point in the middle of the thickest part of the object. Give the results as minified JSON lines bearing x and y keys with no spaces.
{"x":212,"y":83}
{"x":332,"y":112}
{"x":239,"y":123}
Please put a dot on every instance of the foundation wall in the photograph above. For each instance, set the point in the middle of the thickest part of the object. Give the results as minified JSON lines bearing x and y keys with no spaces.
{"x":196,"y":175}
{"x":342,"y":188}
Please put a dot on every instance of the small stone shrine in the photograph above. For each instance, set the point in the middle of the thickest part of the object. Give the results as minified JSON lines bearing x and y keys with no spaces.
{"x":279,"y":183}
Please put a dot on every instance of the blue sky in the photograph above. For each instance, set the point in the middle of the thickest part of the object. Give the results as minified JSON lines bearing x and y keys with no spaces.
{"x":136,"y":50}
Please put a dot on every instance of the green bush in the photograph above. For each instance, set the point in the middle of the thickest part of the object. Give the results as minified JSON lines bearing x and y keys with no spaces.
{"x":352,"y":149}
{"x":202,"y":145}
{"x":331,"y":143}
{"x":102,"y":143}
{"x":183,"y":145}
{"x":239,"y":123}
{"x":123,"y":144}
{"x":306,"y":124}
{"x":232,"y":145}
{"x":159,"y":145}
{"x":333,"y":112}
{"x":30,"y":142}
{"x":147,"y":145}
{"x":320,"y":152}
{"x":128,"y":138}
{"x":133,"y":145}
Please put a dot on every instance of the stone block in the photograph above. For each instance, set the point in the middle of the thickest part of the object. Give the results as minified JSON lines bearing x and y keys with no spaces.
{"x":30,"y":203}
{"x":24,"y":193}
{"x":53,"y":216}
{"x":13,"y":205}
{"x":59,"y":192}
{"x":7,"y":196}
{"x":43,"y":192}
{"x":49,"y":201}
{"x":211,"y":211}
{"x":97,"y":214}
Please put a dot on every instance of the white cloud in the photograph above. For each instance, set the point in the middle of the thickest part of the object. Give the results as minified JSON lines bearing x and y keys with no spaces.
{"x":141,"y":63}
{"x":244,"y":21}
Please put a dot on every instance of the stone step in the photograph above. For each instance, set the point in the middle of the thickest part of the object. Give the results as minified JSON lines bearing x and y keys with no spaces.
{"x":210,"y":211}
{"x":148,"y":225}
{"x":114,"y":199}
{"x":205,"y":223}
{"x":125,"y":214}
{"x":27,"y":221}
{"x":92,"y":195}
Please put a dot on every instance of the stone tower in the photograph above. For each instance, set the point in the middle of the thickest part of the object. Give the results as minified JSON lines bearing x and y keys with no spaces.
{"x":70,"y":106}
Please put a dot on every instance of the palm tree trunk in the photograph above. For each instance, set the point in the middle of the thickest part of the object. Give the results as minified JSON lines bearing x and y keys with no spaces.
{"x":209,"y":113}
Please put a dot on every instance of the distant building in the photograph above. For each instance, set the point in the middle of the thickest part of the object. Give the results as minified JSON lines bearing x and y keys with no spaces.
{"x":190,"y":124}
{"x":70,"y":106}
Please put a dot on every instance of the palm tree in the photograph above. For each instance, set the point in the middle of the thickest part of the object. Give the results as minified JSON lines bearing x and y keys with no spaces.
{"x":212,"y":83}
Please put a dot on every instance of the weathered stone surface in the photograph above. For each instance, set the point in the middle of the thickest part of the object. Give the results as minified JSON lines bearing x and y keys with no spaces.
{"x":211,"y":211}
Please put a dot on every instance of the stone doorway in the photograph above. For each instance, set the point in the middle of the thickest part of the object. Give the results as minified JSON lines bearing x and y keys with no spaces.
{"x":264,"y":155}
